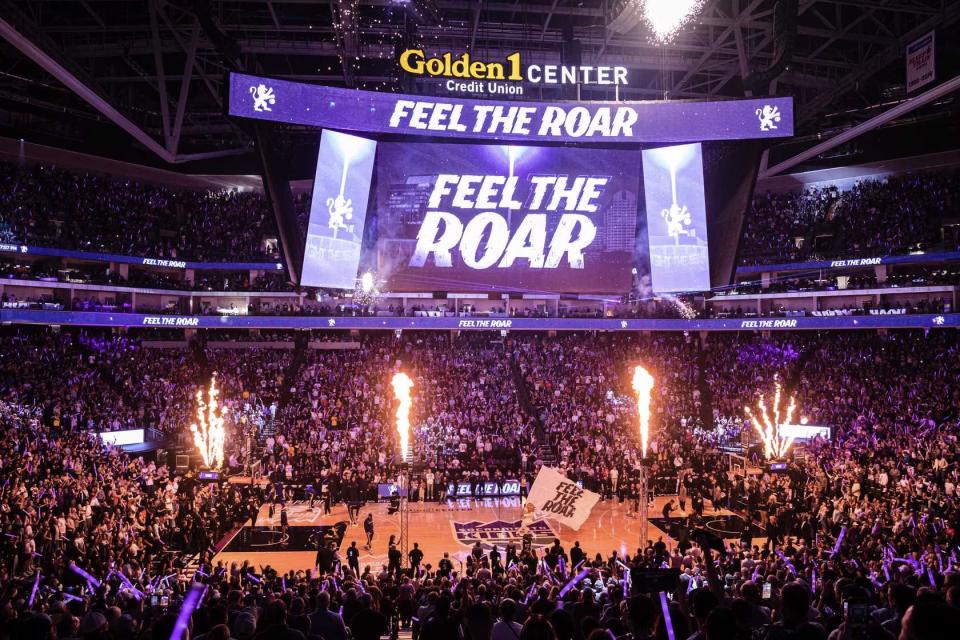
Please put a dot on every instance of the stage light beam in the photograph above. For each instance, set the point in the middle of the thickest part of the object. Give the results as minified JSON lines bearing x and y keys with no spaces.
{"x":402,"y":384}
{"x":209,"y":432}
{"x":643,"y":386}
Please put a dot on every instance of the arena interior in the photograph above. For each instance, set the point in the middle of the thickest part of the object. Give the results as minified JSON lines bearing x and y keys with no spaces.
{"x":479,"y":319}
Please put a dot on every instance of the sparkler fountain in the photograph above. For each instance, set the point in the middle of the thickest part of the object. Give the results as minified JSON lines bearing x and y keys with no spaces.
{"x":768,"y":425}
{"x":209,"y":432}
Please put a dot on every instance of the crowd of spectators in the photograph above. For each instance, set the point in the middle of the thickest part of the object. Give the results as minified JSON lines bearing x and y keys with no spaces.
{"x":876,"y":217}
{"x":47,"y":206}
{"x":866,"y":523}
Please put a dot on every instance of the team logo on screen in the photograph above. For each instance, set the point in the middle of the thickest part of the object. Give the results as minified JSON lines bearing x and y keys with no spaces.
{"x":678,"y":219}
{"x":768,"y":115}
{"x":263,"y":97}
{"x":500,"y":533}
{"x":340,"y":210}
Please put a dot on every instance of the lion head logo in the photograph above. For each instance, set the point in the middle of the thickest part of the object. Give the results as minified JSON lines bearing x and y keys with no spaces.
{"x":768,"y":115}
{"x":262,"y":97}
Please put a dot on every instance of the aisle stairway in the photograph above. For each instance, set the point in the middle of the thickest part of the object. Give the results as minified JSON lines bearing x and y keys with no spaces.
{"x":706,"y":395}
{"x":291,"y":376}
{"x":546,"y":450}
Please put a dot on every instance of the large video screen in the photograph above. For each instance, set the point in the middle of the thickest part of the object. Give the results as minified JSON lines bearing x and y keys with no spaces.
{"x":464,"y":217}
{"x":473,"y":218}
{"x":338,"y":211}
{"x":676,"y":218}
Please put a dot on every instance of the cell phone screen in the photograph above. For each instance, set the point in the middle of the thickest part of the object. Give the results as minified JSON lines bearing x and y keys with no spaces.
{"x":767,"y":590}
{"x":857,"y":614}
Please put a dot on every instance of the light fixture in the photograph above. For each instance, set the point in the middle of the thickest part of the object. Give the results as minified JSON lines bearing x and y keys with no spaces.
{"x":667,"y":17}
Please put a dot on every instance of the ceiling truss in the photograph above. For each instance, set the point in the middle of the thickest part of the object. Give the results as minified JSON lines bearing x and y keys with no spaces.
{"x":151,"y":63}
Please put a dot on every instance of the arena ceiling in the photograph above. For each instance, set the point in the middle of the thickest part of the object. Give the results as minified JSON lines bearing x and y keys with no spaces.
{"x":153,"y":63}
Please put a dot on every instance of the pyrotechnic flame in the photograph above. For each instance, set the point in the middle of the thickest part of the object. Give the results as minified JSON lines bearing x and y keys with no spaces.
{"x":402,"y":384}
{"x":209,"y":435}
{"x":768,"y":425}
{"x":643,"y":385}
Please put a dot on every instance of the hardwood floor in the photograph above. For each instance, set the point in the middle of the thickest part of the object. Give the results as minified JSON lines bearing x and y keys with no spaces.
{"x":439,"y":528}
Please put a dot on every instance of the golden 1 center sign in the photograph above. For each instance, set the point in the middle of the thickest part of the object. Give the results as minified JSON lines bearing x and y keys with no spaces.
{"x":465,"y":74}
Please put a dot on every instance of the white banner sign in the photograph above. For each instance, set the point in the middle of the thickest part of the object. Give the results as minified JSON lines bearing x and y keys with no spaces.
{"x":921,"y":62}
{"x":120,"y":438}
{"x":804,"y":431}
{"x":554,"y":496}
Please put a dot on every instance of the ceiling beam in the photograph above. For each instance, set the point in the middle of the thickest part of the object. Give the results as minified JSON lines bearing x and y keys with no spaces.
{"x":158,"y":66}
{"x":214,"y":93}
{"x":876,"y":63}
{"x":847,"y":28}
{"x":546,"y":21}
{"x":476,"y":25}
{"x":184,"y":90}
{"x":55,"y":69}
{"x":717,"y":43}
{"x":901,"y":109}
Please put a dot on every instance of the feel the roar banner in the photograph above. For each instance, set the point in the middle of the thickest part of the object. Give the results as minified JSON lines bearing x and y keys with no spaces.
{"x":603,"y":122}
{"x":555,"y":496}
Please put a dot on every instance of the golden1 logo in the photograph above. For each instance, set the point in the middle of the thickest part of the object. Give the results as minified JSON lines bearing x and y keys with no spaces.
{"x":476,"y":76}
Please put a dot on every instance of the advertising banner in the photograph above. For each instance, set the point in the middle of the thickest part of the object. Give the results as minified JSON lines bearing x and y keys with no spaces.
{"x":921,"y":61}
{"x":454,"y":323}
{"x":596,"y":122}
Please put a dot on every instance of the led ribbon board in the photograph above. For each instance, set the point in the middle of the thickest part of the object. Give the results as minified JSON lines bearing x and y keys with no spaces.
{"x":587,"y":122}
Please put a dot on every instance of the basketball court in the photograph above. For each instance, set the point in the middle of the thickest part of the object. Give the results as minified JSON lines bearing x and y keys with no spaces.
{"x":450,"y":527}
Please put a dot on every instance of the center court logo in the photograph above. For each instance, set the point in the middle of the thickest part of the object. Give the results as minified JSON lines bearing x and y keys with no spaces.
{"x":500,"y":533}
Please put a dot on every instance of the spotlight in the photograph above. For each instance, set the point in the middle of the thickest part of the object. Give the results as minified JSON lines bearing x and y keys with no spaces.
{"x":664,"y":17}
{"x":667,"y":17}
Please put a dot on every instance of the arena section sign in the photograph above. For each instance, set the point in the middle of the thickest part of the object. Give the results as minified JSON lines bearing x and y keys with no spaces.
{"x":587,"y":122}
{"x":105,"y":319}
